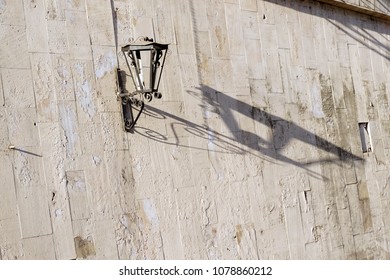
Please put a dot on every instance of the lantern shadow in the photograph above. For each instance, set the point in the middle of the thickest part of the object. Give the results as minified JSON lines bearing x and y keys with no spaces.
{"x":283,"y":131}
{"x":178,"y":125}
{"x":240,"y":141}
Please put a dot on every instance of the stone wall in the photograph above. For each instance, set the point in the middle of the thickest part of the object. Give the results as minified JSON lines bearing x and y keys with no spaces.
{"x":379,"y":8}
{"x":254,"y":150}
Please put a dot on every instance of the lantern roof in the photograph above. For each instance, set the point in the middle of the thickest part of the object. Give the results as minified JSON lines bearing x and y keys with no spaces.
{"x":144,"y":45}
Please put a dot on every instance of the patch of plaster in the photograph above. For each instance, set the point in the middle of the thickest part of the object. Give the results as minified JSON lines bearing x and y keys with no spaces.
{"x":316,"y":101}
{"x":65,"y":75}
{"x":96,"y":160}
{"x":105,"y":64}
{"x":86,"y":98}
{"x":213,"y":159}
{"x":150,"y":212}
{"x":85,"y":94}
{"x":3,"y":6}
{"x":59,"y":212}
{"x":68,"y":118}
{"x":138,"y":166}
{"x":24,"y":174}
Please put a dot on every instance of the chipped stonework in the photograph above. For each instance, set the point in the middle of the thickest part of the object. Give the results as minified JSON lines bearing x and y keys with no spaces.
{"x":253,"y":151}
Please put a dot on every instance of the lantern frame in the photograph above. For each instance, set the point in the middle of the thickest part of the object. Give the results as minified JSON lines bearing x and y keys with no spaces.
{"x":146,"y":77}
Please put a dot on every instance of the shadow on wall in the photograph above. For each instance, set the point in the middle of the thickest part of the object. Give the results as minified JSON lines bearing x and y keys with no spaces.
{"x":242,"y":141}
{"x":361,"y":29}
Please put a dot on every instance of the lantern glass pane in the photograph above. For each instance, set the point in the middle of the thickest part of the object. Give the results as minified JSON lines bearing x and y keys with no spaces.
{"x":160,"y":59}
{"x":145,"y":69}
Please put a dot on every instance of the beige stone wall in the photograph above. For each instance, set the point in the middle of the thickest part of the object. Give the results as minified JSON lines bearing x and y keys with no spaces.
{"x":253,"y":152}
{"x":380,"y":8}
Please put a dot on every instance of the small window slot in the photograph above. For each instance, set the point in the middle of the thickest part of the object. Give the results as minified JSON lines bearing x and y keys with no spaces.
{"x":365,"y":137}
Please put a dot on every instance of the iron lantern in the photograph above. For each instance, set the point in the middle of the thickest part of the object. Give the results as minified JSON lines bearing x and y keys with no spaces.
{"x":145,"y":60}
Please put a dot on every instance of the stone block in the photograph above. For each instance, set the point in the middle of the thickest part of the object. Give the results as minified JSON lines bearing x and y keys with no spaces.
{"x":8,"y":198}
{"x":369,"y":248}
{"x":143,"y":27}
{"x":204,"y":60}
{"x":171,"y":233}
{"x":223,"y":75}
{"x":181,"y":14}
{"x":34,"y":212}
{"x":189,"y":77}
{"x":246,"y":242}
{"x":235,"y":29}
{"x":62,"y":226}
{"x":85,"y":90}
{"x":62,"y":76}
{"x":258,"y":91}
{"x":2,"y":101}
{"x":266,"y":12}
{"x":255,"y":59}
{"x":122,"y":181}
{"x":249,"y":5}
{"x":149,"y":225}
{"x":55,"y":10}
{"x":354,"y":206}
{"x":188,"y":214}
{"x":273,"y":74}
{"x":4,"y":138}
{"x":22,"y":128}
{"x":10,"y":235}
{"x":44,"y":90}
{"x":105,"y":63}
{"x":69,"y":128}
{"x":28,"y":167}
{"x":142,"y":164}
{"x":23,"y":132}
{"x":124,"y":19}
{"x":75,"y":5}
{"x":337,"y":85}
{"x":39,"y":248}
{"x":199,"y":15}
{"x":89,"y":144}
{"x":77,"y":32}
{"x":250,"y":26}
{"x":358,"y":83}
{"x":77,"y":192}
{"x":105,"y":241}
{"x":36,"y":26}
{"x":12,"y":13}
{"x":100,"y":196}
{"x":115,"y":138}
{"x":294,"y":232}
{"x":163,"y":25}
{"x":272,"y":243}
{"x":240,"y":74}
{"x":57,"y":36}
{"x":218,"y":29}
{"x":179,"y":160}
{"x":18,"y":95}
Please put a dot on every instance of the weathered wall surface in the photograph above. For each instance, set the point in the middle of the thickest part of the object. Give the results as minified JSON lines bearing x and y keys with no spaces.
{"x":253,"y":152}
{"x":379,"y":8}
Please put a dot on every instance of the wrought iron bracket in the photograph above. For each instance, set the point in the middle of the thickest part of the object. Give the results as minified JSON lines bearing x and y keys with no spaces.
{"x":129,"y":103}
{"x":129,"y":106}
{"x":132,"y":106}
